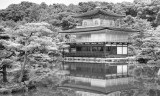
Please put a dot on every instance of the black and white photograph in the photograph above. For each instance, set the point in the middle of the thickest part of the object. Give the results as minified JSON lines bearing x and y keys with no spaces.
{"x":79,"y":47}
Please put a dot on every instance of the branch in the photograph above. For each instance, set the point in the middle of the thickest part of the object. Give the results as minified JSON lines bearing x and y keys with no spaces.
{"x":154,"y":54}
{"x":30,"y":35}
{"x":8,"y":55}
{"x":1,"y":72}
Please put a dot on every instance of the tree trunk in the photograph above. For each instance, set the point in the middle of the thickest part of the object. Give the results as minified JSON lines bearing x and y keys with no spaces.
{"x":4,"y":73}
{"x":23,"y":67}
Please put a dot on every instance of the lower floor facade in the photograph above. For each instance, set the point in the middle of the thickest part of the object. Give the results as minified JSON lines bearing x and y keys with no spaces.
{"x":97,"y":49}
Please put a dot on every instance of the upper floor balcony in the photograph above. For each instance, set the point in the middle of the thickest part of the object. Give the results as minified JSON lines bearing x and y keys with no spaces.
{"x":98,"y":22}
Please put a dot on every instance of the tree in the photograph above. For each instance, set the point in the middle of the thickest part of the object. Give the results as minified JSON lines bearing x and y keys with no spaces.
{"x":146,"y":72}
{"x":43,"y":5}
{"x":34,"y":13}
{"x":5,"y":53}
{"x":16,"y":12}
{"x":87,"y":6}
{"x":33,"y":41}
{"x":157,"y":21}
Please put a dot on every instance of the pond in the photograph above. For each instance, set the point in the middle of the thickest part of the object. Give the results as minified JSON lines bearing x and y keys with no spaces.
{"x":44,"y":92}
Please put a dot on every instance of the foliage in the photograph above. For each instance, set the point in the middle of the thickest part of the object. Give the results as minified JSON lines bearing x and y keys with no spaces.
{"x":37,"y":43}
{"x":6,"y":58}
{"x":59,"y":14}
{"x":32,"y":41}
{"x":147,"y":72}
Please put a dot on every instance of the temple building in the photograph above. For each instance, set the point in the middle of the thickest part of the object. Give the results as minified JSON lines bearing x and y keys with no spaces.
{"x":97,"y":59}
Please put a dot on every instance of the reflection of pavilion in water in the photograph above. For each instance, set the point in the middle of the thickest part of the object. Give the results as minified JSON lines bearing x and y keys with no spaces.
{"x":97,"y":59}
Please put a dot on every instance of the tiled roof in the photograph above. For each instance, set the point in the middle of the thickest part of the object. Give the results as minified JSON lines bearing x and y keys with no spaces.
{"x":98,"y":11}
{"x":98,"y":28}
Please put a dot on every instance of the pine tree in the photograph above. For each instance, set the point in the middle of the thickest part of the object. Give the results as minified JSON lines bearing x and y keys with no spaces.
{"x":33,"y":42}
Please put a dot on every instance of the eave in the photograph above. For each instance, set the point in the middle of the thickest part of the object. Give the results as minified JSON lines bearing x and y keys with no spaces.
{"x":98,"y":11}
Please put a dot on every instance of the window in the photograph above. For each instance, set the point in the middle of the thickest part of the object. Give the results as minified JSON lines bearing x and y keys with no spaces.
{"x":119,"y":69}
{"x":96,"y":22}
{"x":85,"y":24}
{"x":79,"y":69}
{"x":119,"y":50}
{"x":85,"y":48}
{"x":73,"y":49}
{"x":108,"y":48}
{"x":111,"y":23}
{"x":79,"y":48}
{"x":100,"y":48}
{"x":122,"y":69}
{"x":73,"y":67}
{"x":102,"y":22}
{"x":111,"y":50}
{"x":97,"y":70}
{"x":97,"y":48}
{"x":66,"y":50}
{"x":111,"y":70}
{"x":122,"y":49}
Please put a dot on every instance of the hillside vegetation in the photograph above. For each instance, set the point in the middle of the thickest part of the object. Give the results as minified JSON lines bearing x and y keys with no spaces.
{"x":29,"y":38}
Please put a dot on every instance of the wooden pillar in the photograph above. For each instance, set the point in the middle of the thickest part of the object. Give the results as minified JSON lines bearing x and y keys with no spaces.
{"x":111,"y":52}
{"x":104,"y":70}
{"x":128,"y":59}
{"x":122,"y":48}
{"x":111,"y":74}
{"x":70,"y":48}
{"x":91,"y":50}
{"x":69,"y":69}
{"x":104,"y":49}
{"x":122,"y":70}
{"x":91,"y":70}
{"x":111,"y":49}
{"x":127,"y":50}
{"x":63,"y":59}
{"x":127,"y":69}
{"x":116,"y":49}
{"x":116,"y":53}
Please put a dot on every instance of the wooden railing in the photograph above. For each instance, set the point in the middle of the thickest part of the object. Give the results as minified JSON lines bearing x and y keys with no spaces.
{"x":93,"y":54}
{"x":90,"y":41}
{"x":97,"y":60}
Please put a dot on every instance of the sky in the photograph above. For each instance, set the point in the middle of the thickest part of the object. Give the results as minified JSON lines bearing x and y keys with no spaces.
{"x":5,"y":3}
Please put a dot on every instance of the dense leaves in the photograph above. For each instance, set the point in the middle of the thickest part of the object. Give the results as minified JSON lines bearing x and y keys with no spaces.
{"x":60,"y":15}
{"x":30,"y":44}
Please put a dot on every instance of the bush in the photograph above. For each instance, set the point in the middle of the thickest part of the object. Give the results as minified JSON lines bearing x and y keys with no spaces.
{"x":17,"y":75}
